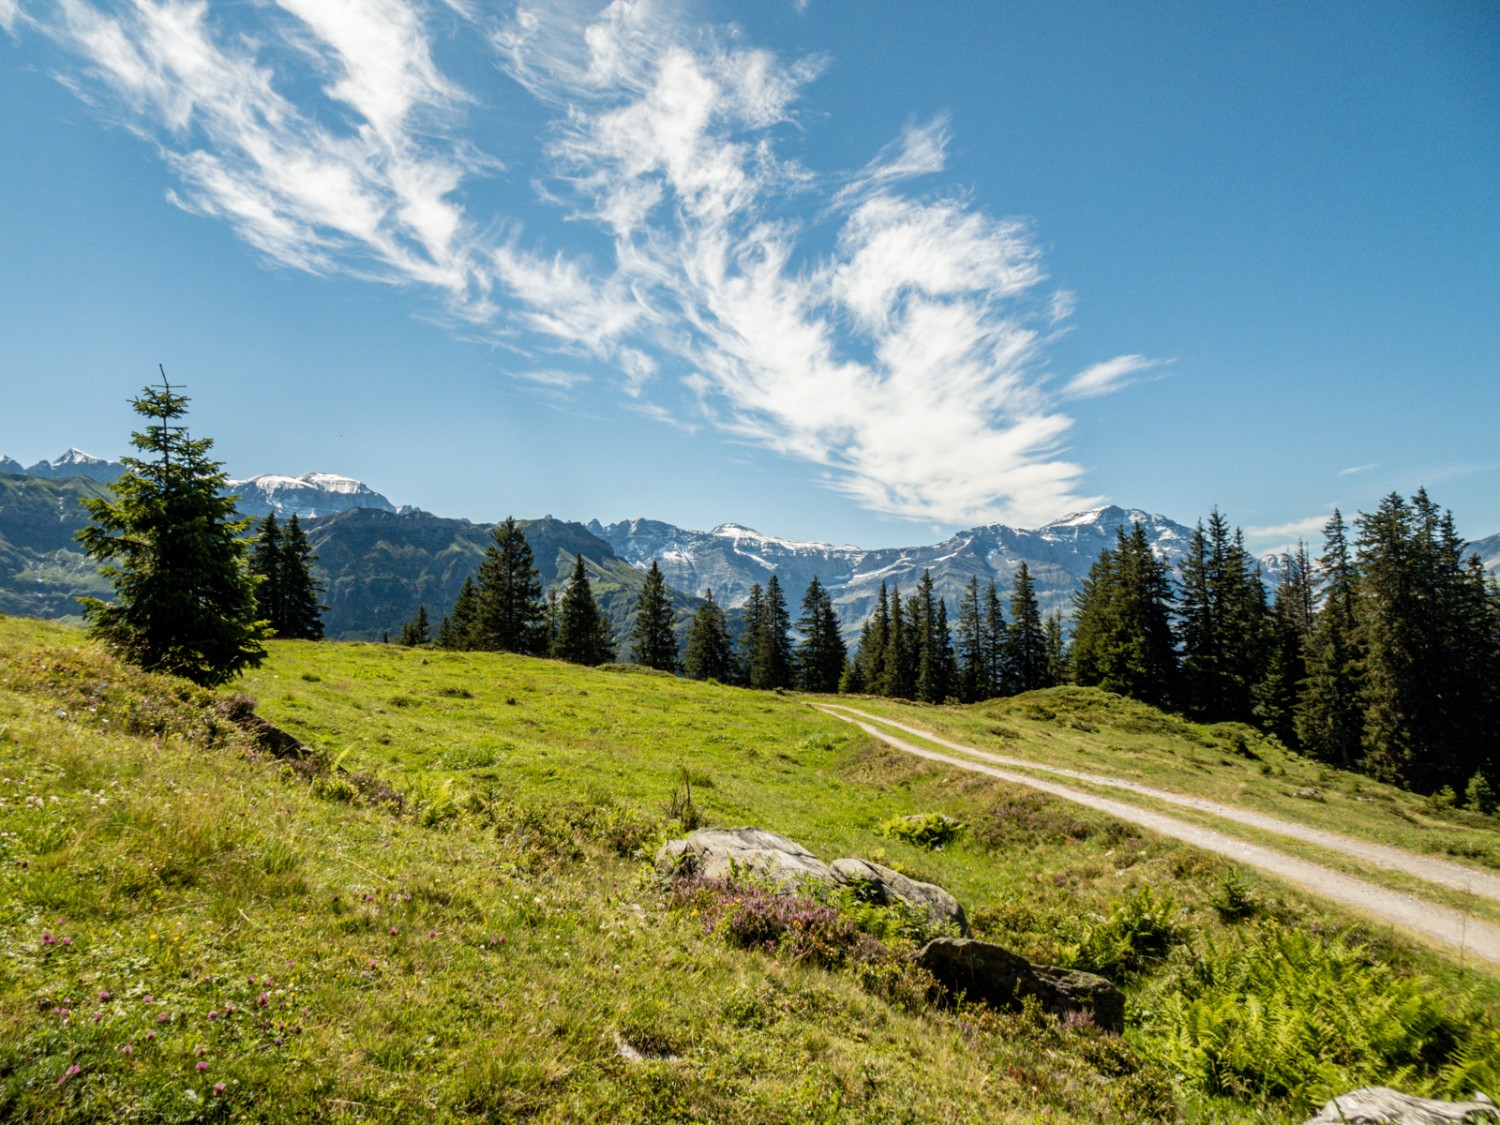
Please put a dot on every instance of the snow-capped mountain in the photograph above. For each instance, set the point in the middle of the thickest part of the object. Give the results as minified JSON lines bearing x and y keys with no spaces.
{"x":307,"y":496}
{"x":1488,"y":550}
{"x":730,"y":559}
{"x":73,"y":463}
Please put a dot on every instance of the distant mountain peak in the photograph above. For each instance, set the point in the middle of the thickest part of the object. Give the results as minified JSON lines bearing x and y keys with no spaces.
{"x":307,"y":496}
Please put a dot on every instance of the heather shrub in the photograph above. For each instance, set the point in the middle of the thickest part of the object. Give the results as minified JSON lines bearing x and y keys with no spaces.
{"x":925,"y":830}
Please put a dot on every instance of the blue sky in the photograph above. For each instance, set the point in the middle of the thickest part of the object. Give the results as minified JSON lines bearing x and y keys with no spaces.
{"x":860,"y":272}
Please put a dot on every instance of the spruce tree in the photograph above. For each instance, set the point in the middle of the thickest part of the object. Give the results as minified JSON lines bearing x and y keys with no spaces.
{"x":710,"y":651}
{"x":511,"y":609}
{"x":1058,"y":654}
{"x":1026,"y":643}
{"x":933,"y":656}
{"x":1122,"y":639}
{"x":750,"y":638}
{"x":266,"y":566}
{"x":582,"y":630}
{"x":869,"y":656}
{"x":897,"y":664}
{"x":461,"y":623}
{"x":301,"y":592}
{"x":821,"y":655}
{"x":973,"y":682}
{"x":1277,"y":695}
{"x":1223,"y":626}
{"x":652,"y":637}
{"x":1330,"y":716}
{"x":417,"y":631}
{"x":172,"y":547}
{"x":768,"y":647}
{"x":996,"y":635}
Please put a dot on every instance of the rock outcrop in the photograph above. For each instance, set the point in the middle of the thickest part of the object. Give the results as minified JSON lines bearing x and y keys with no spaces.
{"x":723,"y":853}
{"x":1380,"y":1105}
{"x":886,"y":887}
{"x":995,"y":976}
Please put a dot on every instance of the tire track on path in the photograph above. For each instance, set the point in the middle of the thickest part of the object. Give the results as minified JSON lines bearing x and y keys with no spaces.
{"x":1468,"y":936}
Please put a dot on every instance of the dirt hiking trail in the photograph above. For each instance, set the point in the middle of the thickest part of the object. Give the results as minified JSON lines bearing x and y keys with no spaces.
{"x":1470,"y":938}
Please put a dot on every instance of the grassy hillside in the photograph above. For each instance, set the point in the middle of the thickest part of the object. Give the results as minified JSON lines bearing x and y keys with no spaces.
{"x":446,"y":915}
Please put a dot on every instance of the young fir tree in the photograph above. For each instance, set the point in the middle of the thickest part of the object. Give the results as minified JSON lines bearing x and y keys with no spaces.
{"x":461,"y":622}
{"x":710,"y":651}
{"x":933,"y":657}
{"x":417,"y":631}
{"x":582,"y":631}
{"x":301,"y":592}
{"x":172,"y":547}
{"x":511,"y":609}
{"x":1026,"y":642}
{"x":821,"y":655}
{"x":652,"y":638}
{"x":755,"y":626}
{"x":1330,"y":716}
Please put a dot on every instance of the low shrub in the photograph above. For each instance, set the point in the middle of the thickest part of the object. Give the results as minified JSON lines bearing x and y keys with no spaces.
{"x":1137,"y":932}
{"x":925,"y":830}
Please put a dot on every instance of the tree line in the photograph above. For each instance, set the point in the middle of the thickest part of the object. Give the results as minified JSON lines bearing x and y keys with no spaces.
{"x":1382,"y":656}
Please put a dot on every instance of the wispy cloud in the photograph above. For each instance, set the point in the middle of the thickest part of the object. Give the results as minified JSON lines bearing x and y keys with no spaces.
{"x":1359,"y":469}
{"x":1108,"y":377}
{"x":905,"y":355}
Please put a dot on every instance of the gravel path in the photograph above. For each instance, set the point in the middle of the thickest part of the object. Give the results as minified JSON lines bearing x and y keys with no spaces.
{"x":1470,"y":937}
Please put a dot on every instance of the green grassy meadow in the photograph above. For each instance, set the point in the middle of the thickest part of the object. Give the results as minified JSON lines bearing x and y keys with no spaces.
{"x":449,"y":913}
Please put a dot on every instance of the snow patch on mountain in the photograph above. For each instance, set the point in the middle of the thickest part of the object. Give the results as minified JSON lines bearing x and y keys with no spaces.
{"x":73,"y":463}
{"x":307,"y":496}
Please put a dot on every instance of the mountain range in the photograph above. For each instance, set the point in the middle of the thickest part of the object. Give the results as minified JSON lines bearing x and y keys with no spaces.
{"x":380,"y":561}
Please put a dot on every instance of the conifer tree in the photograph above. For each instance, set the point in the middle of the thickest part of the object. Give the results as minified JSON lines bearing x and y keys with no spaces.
{"x":510,"y":609}
{"x":1223,"y":627}
{"x":1026,"y":643}
{"x":1276,"y":697}
{"x":582,"y":631}
{"x":301,"y":611}
{"x":461,"y":623}
{"x":266,"y":566}
{"x":1330,"y":717}
{"x":1058,"y":654}
{"x":933,"y":656}
{"x":972,"y":683}
{"x":417,"y":631}
{"x":768,"y":648}
{"x":897,"y":666}
{"x":1122,"y":640}
{"x":869,"y":656}
{"x":996,"y":634}
{"x":172,"y":547}
{"x":710,"y":651}
{"x":821,"y":655}
{"x":653,"y":638}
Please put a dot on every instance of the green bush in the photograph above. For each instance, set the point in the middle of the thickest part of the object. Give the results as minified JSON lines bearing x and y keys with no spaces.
{"x":925,"y":830}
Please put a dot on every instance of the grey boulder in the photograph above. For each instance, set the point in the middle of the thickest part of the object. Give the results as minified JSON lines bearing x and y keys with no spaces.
{"x":723,"y":853}
{"x":995,"y":976}
{"x":886,"y":887}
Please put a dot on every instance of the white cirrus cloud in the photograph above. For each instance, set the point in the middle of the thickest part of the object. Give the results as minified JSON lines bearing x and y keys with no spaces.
{"x":895,"y":338}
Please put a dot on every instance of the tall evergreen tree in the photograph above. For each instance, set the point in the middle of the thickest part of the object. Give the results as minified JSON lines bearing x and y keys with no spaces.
{"x":1026,"y":642}
{"x":973,"y":679}
{"x":1277,"y":695}
{"x":172,"y":547}
{"x":461,"y":624}
{"x":768,"y":646}
{"x":1223,"y":626}
{"x":1059,"y":656}
{"x":821,"y":655}
{"x":1426,"y":640}
{"x":511,"y":609}
{"x":869,"y":656}
{"x":1122,"y":639}
{"x":582,"y":630}
{"x":933,"y":645}
{"x":996,"y":634}
{"x":897,"y":659}
{"x":301,"y":592}
{"x":1330,"y":715}
{"x":653,"y":637}
{"x":266,"y":564}
{"x":710,"y":651}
